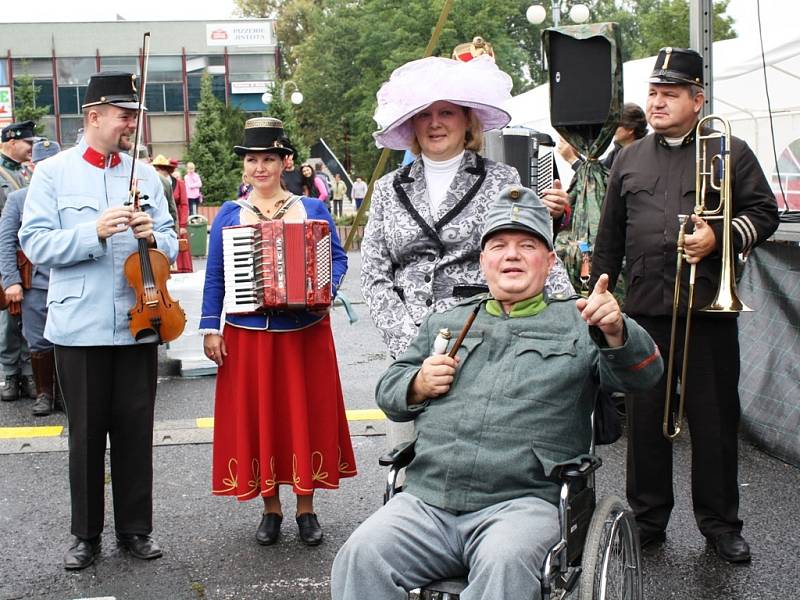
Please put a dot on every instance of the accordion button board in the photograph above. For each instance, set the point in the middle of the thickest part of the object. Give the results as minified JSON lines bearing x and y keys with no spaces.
{"x":275,"y":265}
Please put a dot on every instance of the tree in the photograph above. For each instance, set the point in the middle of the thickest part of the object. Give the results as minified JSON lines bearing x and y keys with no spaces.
{"x":279,"y":108}
{"x":259,"y":9}
{"x":25,"y":109}
{"x":648,"y":25}
{"x":340,"y":51}
{"x":294,"y":22}
{"x":211,"y":147}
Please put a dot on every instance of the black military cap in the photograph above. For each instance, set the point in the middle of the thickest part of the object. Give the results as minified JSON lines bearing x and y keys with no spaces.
{"x":678,"y":65}
{"x":19,"y":131}
{"x":112,"y":87}
{"x":263,"y":134}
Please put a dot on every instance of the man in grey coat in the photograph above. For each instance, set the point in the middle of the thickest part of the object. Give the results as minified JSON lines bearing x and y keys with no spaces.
{"x":31,"y":295}
{"x":15,"y":150}
{"x":494,"y":422}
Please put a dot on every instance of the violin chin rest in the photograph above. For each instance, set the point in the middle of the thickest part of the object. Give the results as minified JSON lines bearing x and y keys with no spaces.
{"x":148,"y":336}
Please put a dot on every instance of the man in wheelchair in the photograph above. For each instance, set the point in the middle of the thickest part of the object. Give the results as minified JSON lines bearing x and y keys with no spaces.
{"x":494,"y":422}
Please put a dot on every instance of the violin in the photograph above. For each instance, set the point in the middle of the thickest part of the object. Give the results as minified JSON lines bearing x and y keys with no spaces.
{"x":156,"y":317}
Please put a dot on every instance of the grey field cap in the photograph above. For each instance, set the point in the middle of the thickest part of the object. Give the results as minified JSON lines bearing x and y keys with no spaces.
{"x":518,"y":208}
{"x":44,"y":149}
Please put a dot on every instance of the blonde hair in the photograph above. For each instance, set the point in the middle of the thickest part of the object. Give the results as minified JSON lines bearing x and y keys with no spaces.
{"x":473,"y":137}
{"x":190,"y":165}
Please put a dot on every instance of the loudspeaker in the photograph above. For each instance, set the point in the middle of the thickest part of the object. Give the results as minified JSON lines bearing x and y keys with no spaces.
{"x":529,"y":151}
{"x":580,"y":80}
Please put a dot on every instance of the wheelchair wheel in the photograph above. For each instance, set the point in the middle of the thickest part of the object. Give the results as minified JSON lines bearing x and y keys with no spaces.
{"x":611,"y":555}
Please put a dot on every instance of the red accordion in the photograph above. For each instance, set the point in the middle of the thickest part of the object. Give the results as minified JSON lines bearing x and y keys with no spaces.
{"x":277,"y":265}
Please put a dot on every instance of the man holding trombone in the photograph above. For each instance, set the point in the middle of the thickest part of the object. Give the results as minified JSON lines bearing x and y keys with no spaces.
{"x":652,"y":182}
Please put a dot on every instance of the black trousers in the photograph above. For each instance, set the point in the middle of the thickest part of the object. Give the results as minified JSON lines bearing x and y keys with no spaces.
{"x":110,"y":390}
{"x":712,"y":409}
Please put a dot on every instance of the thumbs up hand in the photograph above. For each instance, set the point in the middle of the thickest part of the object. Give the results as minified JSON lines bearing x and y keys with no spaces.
{"x":602,"y":310}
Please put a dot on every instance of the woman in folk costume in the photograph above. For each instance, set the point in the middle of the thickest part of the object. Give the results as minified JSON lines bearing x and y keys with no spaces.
{"x":279,"y":415}
{"x":183,"y":263}
{"x":423,"y":235}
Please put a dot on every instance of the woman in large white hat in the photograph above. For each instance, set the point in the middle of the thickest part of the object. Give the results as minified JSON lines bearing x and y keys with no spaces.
{"x":423,"y":235}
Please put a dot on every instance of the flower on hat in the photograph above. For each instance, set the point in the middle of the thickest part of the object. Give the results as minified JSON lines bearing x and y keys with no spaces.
{"x":478,"y":84}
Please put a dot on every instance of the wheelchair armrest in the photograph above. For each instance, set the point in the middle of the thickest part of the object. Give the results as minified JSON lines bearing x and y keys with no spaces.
{"x":588,"y":465}
{"x":399,"y":457}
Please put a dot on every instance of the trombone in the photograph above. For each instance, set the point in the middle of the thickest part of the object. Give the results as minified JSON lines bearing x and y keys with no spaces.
{"x":712,"y":172}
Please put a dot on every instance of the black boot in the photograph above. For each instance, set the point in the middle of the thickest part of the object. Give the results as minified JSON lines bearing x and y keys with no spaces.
{"x":10,"y":389}
{"x":43,"y":364}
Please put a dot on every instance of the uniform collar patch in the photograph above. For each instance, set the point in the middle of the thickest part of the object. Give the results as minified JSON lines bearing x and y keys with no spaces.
{"x":94,"y":158}
{"x":10,"y":163}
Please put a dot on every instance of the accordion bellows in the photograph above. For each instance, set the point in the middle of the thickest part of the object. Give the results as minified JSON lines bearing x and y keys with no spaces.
{"x":275,"y":265}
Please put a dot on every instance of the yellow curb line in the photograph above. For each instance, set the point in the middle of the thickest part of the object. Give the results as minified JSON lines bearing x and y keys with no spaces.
{"x":369,"y":414}
{"x":7,"y":433}
{"x":30,"y":432}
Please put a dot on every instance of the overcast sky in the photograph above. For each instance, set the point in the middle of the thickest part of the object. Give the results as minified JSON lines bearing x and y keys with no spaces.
{"x":779,"y":17}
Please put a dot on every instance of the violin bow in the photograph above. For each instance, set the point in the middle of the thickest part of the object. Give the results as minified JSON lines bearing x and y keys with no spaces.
{"x":132,"y":191}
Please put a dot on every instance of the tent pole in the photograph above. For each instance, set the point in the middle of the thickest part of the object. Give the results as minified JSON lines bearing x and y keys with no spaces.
{"x":701,"y":38}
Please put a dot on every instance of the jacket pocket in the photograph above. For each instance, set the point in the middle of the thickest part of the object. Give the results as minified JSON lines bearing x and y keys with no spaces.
{"x":539,"y":367}
{"x":639,"y":184}
{"x":62,"y":290}
{"x":76,"y":209}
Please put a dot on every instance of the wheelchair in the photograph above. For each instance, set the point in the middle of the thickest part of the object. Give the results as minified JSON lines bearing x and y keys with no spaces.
{"x":597,"y":557}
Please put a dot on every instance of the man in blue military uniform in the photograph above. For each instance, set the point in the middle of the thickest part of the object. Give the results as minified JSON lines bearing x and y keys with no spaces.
{"x":494,"y":423}
{"x":17,"y":142}
{"x":78,"y":221}
{"x":31,"y":294}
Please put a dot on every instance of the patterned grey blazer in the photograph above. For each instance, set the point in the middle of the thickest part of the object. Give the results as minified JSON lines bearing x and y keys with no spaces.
{"x":406,"y":274}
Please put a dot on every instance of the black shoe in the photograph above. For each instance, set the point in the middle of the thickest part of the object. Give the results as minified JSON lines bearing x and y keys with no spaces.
{"x":27,"y":386}
{"x":732,"y":547}
{"x":43,"y":405}
{"x":269,"y":530}
{"x":310,"y":531}
{"x":82,"y":553}
{"x":651,"y":539}
{"x":10,"y":389}
{"x":140,"y":546}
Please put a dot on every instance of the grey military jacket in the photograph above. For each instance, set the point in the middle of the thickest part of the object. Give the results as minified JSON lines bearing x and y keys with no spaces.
{"x":10,"y":222}
{"x":519,"y":405}
{"x":405,"y":273}
{"x":11,"y":178}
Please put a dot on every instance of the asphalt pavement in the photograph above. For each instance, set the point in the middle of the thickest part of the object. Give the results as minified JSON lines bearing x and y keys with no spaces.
{"x":209,"y":546}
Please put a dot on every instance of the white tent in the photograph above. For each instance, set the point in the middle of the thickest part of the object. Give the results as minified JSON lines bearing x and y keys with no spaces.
{"x":739,"y":95}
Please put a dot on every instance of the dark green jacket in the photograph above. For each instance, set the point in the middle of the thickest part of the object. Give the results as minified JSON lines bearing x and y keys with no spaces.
{"x":519,"y":406}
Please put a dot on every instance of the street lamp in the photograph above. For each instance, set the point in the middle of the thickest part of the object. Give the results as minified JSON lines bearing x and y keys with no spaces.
{"x":296,"y":96}
{"x":536,"y":13}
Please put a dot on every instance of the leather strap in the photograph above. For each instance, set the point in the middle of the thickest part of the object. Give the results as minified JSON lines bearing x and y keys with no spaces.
{"x":246,"y":204}
{"x":10,"y":178}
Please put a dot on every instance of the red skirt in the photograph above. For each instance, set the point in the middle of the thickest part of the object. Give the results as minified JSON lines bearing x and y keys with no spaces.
{"x":279,"y":414}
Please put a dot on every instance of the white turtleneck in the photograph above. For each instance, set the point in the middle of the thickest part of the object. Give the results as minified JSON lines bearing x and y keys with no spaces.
{"x":674,"y":142}
{"x":439,"y":175}
{"x":677,"y":141}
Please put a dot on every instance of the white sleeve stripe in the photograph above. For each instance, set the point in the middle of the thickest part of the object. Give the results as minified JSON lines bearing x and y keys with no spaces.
{"x":744,"y":235}
{"x":746,"y":220}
